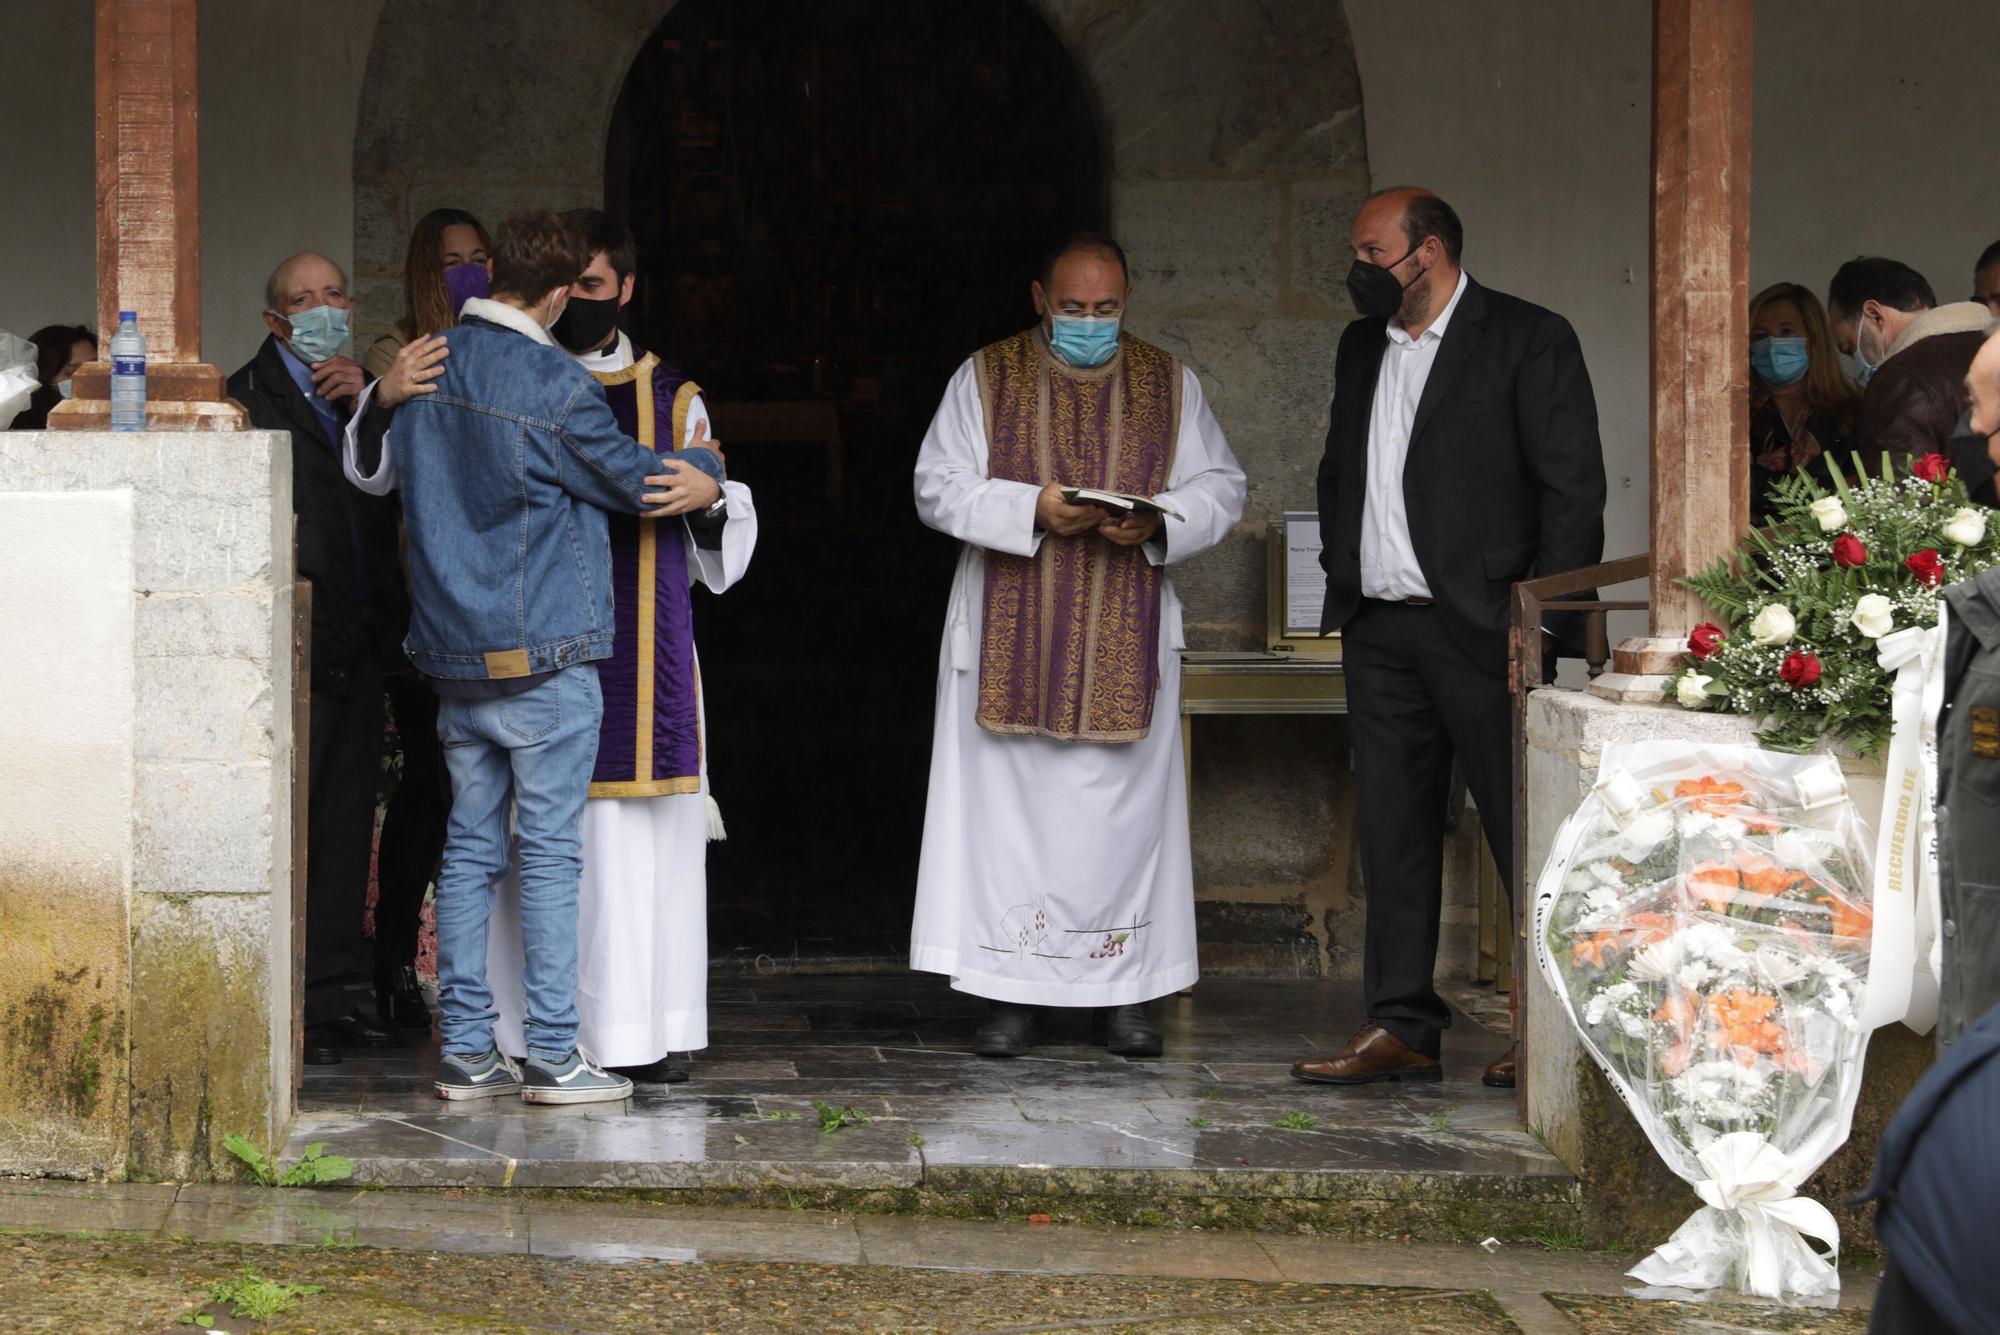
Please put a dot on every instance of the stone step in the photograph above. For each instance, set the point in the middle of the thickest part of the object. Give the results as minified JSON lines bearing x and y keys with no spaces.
{"x":1349,"y":1181}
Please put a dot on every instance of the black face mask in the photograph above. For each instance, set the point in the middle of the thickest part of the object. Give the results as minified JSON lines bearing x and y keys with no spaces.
{"x":1375,"y":290}
{"x":585,"y":323}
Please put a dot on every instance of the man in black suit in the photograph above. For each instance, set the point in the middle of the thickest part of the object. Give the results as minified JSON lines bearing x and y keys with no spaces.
{"x":1463,"y":456}
{"x":298,"y":383}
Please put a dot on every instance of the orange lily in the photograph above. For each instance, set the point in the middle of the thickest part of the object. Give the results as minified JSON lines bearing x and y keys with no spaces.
{"x":1681,"y":1010}
{"x":1765,"y":877}
{"x":1743,"y":1025}
{"x":1852,"y":923}
{"x":1592,"y":952}
{"x":1715,"y":885}
{"x":1645,"y":929}
{"x":1711,"y":795}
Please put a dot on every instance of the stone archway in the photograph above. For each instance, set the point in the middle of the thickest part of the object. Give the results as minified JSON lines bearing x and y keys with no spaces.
{"x":1234,"y":155}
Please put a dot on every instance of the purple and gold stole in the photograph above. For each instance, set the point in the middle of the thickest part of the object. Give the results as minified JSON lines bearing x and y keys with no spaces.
{"x":650,"y":742}
{"x":1070,"y":643}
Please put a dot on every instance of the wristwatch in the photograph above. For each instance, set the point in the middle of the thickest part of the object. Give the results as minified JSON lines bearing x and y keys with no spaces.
{"x":718,"y":510}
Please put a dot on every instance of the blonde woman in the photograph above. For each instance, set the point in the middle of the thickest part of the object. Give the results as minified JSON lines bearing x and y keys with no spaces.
{"x":1803,"y":408}
{"x":444,"y":240}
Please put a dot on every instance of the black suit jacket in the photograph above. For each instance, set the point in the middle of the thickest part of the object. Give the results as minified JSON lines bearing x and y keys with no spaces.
{"x":1504,"y":478}
{"x":346,"y":538}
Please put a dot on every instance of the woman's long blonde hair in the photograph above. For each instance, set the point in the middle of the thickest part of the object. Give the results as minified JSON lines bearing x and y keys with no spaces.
{"x":426,"y":304}
{"x":1828,"y":390}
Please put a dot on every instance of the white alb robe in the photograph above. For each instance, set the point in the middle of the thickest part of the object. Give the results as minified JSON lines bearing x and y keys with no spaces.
{"x":1057,"y":873}
{"x":642,"y":907}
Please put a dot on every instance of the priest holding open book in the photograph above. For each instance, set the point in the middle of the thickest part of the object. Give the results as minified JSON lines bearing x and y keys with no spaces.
{"x":1075,"y":463}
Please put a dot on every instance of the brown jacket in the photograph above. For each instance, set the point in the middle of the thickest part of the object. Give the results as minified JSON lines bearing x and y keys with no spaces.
{"x":1913,"y":403}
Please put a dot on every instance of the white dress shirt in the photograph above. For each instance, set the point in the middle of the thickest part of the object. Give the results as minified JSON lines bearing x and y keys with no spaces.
{"x":1389,"y":568}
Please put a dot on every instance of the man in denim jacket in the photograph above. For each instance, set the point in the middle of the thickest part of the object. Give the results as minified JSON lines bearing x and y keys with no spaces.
{"x":508,"y":459}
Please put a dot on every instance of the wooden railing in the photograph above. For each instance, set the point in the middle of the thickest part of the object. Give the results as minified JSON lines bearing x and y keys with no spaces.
{"x":1531,"y":656}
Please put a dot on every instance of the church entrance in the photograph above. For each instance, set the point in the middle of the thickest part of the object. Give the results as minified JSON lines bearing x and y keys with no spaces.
{"x":835,"y":202}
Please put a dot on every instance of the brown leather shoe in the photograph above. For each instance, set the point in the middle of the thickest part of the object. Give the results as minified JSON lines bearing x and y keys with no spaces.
{"x":1500,"y":1075}
{"x":1372,"y":1054}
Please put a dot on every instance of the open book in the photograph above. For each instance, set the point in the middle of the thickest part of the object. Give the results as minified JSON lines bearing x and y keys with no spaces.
{"x":1118,"y":502}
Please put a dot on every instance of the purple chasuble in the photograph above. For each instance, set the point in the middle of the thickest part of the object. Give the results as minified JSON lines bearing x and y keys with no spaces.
{"x":1070,"y":643}
{"x":650,"y":741}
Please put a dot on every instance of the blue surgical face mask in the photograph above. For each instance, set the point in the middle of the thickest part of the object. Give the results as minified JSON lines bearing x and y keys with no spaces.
{"x":65,"y":388}
{"x":318,"y":333}
{"x":1084,"y":340}
{"x":1863,"y":368}
{"x":1779,"y":361}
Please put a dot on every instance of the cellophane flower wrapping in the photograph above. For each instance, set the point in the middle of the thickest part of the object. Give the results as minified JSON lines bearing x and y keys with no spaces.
{"x":1705,"y":919}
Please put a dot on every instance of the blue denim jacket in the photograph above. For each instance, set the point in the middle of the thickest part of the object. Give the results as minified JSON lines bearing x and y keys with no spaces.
{"x":506,"y":473}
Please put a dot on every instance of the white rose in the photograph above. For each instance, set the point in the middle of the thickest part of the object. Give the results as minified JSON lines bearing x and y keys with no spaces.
{"x":1874,"y":616}
{"x":1692,"y":691}
{"x":1774,"y":625}
{"x":1830,"y":513}
{"x":1967,"y":527}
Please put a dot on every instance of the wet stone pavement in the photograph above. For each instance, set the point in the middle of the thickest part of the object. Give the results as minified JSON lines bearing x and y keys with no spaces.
{"x":1193,"y":1138}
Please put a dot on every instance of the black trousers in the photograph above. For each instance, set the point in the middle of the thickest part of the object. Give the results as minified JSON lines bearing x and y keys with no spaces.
{"x":1901,"y":1308}
{"x":413,"y":828}
{"x":342,"y":770}
{"x":1415,"y":699}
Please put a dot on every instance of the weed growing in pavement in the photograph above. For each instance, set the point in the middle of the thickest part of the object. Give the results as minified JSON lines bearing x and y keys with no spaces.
{"x":1199,"y":1122}
{"x":331,"y":1240}
{"x":916,"y":1141}
{"x":1215,"y":1093}
{"x":832,"y":1119}
{"x":312,"y":1168}
{"x":1297,"y":1121}
{"x":1441,"y":1118}
{"x":1561,"y":1239}
{"x":251,"y":1297}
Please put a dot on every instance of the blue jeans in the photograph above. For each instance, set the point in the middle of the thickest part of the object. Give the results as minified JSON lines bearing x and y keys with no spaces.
{"x":537,"y":750}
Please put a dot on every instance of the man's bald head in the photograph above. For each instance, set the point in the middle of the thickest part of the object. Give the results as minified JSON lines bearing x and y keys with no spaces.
{"x":1982,"y":386}
{"x":307,"y":274}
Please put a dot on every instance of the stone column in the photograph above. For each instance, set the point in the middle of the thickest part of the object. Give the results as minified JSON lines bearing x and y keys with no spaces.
{"x":149,"y":220}
{"x":1701,"y":291}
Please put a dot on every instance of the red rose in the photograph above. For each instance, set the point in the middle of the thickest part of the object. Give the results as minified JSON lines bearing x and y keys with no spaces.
{"x":1705,"y":640}
{"x":1928,"y":567}
{"x":1930,"y":467}
{"x":1799,"y":670}
{"x":1849,"y":551}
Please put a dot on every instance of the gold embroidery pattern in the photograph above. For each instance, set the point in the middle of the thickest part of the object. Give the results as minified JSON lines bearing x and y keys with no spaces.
{"x":1070,"y":640}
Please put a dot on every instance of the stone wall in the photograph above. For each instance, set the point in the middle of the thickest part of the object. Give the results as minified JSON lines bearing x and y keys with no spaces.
{"x":145,"y":800}
{"x":1630,"y":1198}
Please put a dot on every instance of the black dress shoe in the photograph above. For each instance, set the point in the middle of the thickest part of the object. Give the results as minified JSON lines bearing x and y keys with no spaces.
{"x":399,"y":999}
{"x":671,"y":1069}
{"x":1126,"y":1031}
{"x":354,"y":1034}
{"x":1009,"y":1031}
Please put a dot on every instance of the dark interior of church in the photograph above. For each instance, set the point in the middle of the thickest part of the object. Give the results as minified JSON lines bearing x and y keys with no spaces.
{"x":835,"y":202}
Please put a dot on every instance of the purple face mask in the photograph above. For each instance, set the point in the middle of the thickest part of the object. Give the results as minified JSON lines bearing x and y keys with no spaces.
{"x":464,"y":282}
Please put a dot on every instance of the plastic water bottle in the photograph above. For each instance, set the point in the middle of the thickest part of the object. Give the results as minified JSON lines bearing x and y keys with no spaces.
{"x":128,"y":375}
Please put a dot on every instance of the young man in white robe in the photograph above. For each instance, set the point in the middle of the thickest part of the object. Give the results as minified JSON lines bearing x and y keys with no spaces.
{"x":642,"y":929}
{"x":1056,"y":869}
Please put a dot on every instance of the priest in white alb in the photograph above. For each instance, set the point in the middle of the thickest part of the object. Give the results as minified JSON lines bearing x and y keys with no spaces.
{"x":1056,"y":869}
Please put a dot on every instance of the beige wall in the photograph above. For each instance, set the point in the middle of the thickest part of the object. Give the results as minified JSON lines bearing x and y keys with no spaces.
{"x":48,"y":266}
{"x":1872,"y":129}
{"x":280,"y":81}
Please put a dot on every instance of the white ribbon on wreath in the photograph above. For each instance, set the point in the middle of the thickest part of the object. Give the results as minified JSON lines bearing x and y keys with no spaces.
{"x":1903,"y":960}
